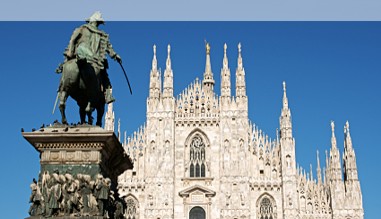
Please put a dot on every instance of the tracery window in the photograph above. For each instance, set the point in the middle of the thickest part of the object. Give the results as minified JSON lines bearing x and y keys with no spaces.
{"x":131,"y":208}
{"x":266,"y":209}
{"x":197,"y":157}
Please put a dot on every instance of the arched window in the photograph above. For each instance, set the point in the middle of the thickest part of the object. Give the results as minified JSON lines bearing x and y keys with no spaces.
{"x":267,"y":208}
{"x":197,"y":157}
{"x":132,"y":211}
{"x":197,"y":213}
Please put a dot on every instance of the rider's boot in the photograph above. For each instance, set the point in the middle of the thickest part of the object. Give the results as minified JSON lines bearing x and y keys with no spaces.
{"x":108,"y":96}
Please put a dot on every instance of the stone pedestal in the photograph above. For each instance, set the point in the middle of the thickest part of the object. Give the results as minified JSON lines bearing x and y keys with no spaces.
{"x":80,"y":165}
{"x":80,"y":149}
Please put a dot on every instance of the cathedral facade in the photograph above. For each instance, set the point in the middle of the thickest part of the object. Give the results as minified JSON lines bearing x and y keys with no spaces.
{"x":200,"y":157}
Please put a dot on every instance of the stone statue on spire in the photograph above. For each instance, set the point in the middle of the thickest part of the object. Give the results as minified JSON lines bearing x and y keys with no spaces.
{"x":346,"y":127}
{"x":207,"y":47}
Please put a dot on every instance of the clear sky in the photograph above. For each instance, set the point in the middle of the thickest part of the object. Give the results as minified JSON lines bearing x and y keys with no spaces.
{"x":194,"y":10}
{"x":332,"y":71}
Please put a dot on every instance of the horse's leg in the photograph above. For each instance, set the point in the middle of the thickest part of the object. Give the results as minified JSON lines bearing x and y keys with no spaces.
{"x":100,"y":112}
{"x":90,"y":118}
{"x":63,"y":97}
{"x":82,"y":114}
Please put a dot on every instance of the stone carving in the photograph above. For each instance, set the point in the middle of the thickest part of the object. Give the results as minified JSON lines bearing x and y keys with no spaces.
{"x":119,"y":210}
{"x":102,"y":192}
{"x":35,"y":199}
{"x":65,"y":195}
{"x":54,"y":195}
{"x":70,"y":195}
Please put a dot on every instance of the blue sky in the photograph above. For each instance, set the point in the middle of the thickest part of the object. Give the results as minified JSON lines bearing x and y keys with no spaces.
{"x":194,"y":10}
{"x":332,"y":70}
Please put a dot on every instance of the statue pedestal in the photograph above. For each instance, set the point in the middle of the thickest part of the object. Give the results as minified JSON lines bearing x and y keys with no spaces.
{"x":82,"y":149}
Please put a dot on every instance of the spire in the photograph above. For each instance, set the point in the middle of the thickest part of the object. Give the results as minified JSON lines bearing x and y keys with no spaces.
{"x":168,"y":76}
{"x":168,"y":63}
{"x":349,"y":158}
{"x":225,"y":76}
{"x":287,"y":152}
{"x":240,"y":76}
{"x":285,"y":118}
{"x":240,"y":64}
{"x":125,"y":138}
{"x":318,"y":170}
{"x":351,"y":181}
{"x":154,"y":87}
{"x":110,"y":117}
{"x":208,"y":81}
{"x":324,"y":175}
{"x":225,"y":61}
{"x":326,"y":168}
{"x":119,"y":129}
{"x":311,"y":174}
{"x":334,"y":165}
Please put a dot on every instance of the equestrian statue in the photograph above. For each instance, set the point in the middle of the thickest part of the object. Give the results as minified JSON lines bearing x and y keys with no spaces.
{"x":84,"y":76}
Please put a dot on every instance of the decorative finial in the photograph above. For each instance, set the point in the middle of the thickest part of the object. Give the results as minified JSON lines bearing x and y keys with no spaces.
{"x":284,"y":86}
{"x":225,"y":48}
{"x":169,"y":49}
{"x":333,"y":126}
{"x":239,"y":48}
{"x":154,"y":49}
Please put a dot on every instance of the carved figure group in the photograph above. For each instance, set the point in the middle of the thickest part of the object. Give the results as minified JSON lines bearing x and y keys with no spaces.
{"x":65,"y":195}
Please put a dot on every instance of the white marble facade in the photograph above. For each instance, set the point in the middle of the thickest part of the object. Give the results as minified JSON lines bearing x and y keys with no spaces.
{"x":199,"y":156}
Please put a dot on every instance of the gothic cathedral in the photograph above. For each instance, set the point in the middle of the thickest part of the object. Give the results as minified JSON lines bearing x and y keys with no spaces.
{"x":199,"y":157}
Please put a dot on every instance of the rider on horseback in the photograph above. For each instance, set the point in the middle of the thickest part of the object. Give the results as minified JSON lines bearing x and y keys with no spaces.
{"x":90,"y":44}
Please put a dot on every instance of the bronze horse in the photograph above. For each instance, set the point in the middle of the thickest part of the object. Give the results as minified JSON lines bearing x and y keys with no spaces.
{"x":82,"y":82}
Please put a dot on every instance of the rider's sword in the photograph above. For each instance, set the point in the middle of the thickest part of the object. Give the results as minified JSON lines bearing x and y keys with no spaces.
{"x":55,"y":103}
{"x":58,"y":94}
{"x":125,"y":75}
